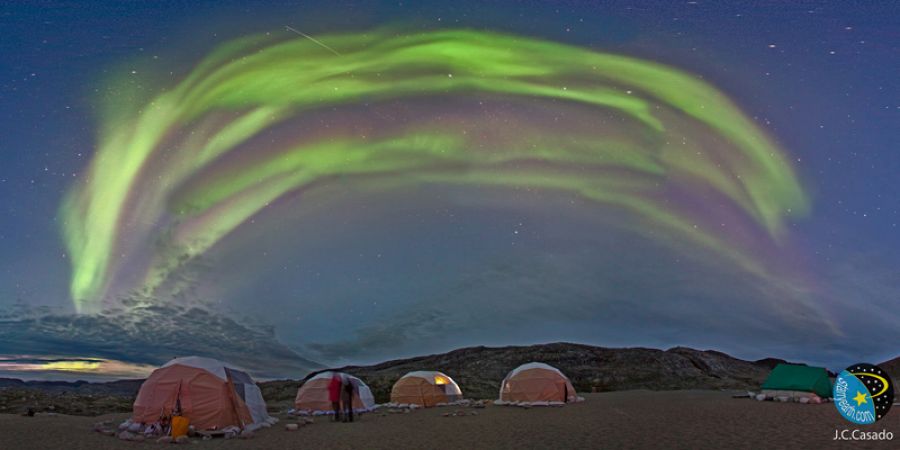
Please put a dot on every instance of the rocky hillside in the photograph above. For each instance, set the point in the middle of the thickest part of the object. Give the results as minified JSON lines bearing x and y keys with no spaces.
{"x":479,"y":370}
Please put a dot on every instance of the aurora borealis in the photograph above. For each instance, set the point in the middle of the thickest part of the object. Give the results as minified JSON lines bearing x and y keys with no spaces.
{"x":673,"y":136}
{"x":418,"y":178}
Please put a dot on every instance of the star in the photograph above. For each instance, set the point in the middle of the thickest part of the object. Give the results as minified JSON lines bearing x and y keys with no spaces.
{"x":860,"y":398}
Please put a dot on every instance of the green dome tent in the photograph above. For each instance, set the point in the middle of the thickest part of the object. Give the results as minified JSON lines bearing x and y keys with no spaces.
{"x":790,"y":377}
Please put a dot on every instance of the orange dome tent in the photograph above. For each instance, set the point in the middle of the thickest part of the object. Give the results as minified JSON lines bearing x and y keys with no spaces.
{"x":312,"y":397}
{"x":425,"y":388}
{"x":537,"y":383}
{"x":210,"y":394}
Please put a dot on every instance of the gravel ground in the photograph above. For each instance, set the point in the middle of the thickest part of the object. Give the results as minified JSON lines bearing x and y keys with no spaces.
{"x":630,"y":419}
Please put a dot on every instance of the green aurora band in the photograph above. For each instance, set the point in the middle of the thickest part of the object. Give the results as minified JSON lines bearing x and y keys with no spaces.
{"x":161,"y":171}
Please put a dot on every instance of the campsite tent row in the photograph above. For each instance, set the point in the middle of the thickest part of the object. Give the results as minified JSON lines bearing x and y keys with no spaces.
{"x":532,"y":383}
{"x":216,"y":396}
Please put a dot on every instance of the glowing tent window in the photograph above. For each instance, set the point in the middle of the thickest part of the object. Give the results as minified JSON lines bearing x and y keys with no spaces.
{"x":441,"y":380}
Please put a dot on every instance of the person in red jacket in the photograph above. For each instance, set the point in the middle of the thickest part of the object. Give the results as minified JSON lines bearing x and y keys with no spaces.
{"x":334,"y":395}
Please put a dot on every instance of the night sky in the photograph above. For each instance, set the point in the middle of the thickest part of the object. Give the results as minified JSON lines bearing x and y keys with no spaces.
{"x":195,"y":178}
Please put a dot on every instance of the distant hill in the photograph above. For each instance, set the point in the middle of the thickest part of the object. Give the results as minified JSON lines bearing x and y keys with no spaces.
{"x":122,"y":388}
{"x":479,"y":370}
{"x":893,"y":369}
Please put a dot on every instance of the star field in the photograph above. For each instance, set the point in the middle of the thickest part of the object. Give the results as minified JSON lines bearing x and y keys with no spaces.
{"x":408,"y":254}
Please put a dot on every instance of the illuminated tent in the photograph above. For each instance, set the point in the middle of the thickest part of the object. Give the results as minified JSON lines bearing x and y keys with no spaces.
{"x":793,"y":381}
{"x":211,"y":395}
{"x":425,"y":388}
{"x":312,"y":397}
{"x":537,"y":383}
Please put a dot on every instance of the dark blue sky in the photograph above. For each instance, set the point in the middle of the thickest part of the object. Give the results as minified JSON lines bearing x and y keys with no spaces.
{"x":820,"y":77}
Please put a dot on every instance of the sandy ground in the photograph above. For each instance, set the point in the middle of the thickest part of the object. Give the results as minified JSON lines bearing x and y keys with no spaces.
{"x":632,"y":419}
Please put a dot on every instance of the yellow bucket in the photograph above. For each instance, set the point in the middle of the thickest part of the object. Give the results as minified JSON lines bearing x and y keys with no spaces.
{"x":180,"y":426}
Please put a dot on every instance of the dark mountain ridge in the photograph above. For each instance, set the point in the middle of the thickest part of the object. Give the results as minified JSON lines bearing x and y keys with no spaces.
{"x":479,"y":370}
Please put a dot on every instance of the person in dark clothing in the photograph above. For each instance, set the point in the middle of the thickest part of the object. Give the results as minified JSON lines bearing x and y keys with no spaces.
{"x":335,"y":387}
{"x":349,"y":388}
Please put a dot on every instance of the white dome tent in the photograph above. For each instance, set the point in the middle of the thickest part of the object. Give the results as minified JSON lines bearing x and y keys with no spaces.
{"x":312,"y":397}
{"x":537,"y":384}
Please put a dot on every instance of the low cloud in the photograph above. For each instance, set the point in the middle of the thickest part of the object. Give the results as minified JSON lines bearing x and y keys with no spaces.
{"x":67,"y":368}
{"x":150,"y":335}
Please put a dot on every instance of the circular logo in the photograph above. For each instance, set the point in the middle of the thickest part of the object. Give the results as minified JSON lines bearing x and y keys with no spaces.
{"x":863,"y":393}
